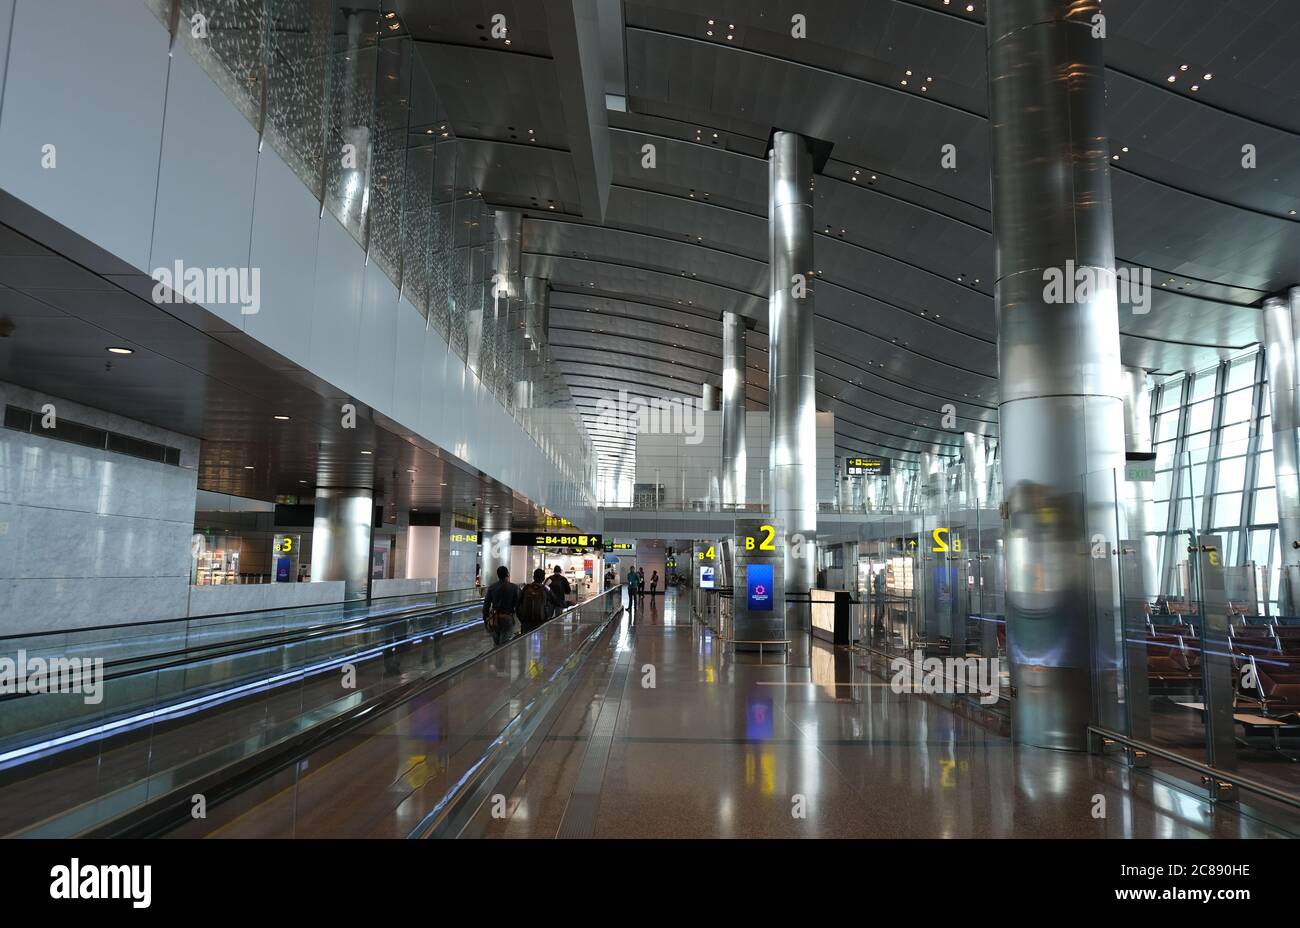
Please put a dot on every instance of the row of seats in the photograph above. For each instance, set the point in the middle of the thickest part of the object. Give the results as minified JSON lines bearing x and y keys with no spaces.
{"x":1265,"y":661}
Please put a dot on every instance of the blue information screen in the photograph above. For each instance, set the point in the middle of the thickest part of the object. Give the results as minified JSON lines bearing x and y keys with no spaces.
{"x":759,"y":577}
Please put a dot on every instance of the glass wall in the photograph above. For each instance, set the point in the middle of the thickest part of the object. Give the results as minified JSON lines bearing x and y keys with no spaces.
{"x":344,"y":96}
{"x":1217,"y":421}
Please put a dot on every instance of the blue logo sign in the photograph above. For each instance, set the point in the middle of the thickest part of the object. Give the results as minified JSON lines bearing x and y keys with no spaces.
{"x":759,"y":577}
{"x":706,"y":578}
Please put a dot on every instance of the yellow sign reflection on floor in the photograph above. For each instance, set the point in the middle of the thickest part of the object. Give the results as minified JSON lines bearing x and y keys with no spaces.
{"x":763,"y":766}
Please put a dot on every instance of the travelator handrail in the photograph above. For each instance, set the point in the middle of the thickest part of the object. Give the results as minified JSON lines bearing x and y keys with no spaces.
{"x":159,"y":816}
{"x":53,"y":735}
{"x":192,"y":654}
{"x":119,"y":626}
{"x":438,"y":819}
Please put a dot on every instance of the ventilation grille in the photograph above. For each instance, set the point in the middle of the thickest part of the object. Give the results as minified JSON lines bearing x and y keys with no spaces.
{"x":24,"y":420}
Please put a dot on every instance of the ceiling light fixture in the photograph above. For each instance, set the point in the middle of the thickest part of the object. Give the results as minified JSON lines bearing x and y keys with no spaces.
{"x":118,"y":350}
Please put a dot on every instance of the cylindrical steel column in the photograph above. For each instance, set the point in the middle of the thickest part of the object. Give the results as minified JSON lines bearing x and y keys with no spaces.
{"x":1280,"y":354}
{"x":734,"y":454}
{"x":709,"y":398}
{"x":340,"y":538}
{"x":792,"y":410}
{"x":1141,"y":515}
{"x":1061,"y":412}
{"x":975,"y":459}
{"x":494,"y":541}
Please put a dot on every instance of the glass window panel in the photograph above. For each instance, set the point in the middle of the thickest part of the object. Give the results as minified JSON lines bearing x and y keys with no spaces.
{"x":1160,"y":513}
{"x":1227,"y":510}
{"x":1171,"y":395}
{"x":1200,"y":415}
{"x":1242,"y":372}
{"x":1264,"y":475}
{"x":1198,"y":446}
{"x":1232,"y":475}
{"x":1230,"y":547}
{"x":1161,"y":488}
{"x":1185,"y":517}
{"x":1197,"y":487}
{"x":1236,"y":406}
{"x":1235,"y":438}
{"x":1167,"y":426}
{"x":1265,"y":507}
{"x":1260,"y":542}
{"x":1266,"y":434}
{"x":1203,"y":385}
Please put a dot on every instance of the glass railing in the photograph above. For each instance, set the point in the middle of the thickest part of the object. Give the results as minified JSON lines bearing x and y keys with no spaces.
{"x":1192,"y":656}
{"x":199,"y":708}
{"x":462,"y":732}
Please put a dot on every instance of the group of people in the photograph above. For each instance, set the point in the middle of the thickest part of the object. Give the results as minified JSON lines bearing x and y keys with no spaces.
{"x":636,"y":585}
{"x":508,"y":608}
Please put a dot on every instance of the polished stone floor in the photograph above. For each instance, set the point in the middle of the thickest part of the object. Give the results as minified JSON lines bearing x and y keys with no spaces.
{"x":723,"y":746}
{"x":663,"y":731}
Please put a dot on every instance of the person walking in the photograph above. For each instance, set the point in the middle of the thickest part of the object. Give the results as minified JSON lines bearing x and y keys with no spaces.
{"x":633,"y":590}
{"x":654,"y":583}
{"x":500,"y":606}
{"x":560,"y":585}
{"x":640,"y":581}
{"x":538,"y":603}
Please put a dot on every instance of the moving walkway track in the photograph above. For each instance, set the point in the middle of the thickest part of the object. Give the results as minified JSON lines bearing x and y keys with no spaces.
{"x":188,"y":704}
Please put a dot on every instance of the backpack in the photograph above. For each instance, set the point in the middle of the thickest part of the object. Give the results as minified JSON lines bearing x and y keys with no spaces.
{"x":532,"y":605}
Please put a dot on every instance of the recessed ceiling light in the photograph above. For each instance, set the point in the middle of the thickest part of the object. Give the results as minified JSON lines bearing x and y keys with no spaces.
{"x":1182,"y":67}
{"x":367,"y":452}
{"x":1171,"y":78}
{"x":1195,"y":87}
{"x":281,"y":418}
{"x":1208,"y":77}
{"x":117,"y":350}
{"x":248,"y":467}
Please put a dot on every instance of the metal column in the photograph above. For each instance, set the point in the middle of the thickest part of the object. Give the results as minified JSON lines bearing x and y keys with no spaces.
{"x":1061,"y":414}
{"x":1139,"y":553}
{"x":1280,"y":352}
{"x":341,"y":538}
{"x":1137,"y":438}
{"x":792,"y":409}
{"x":494,"y":539}
{"x":734,"y":455}
{"x":709,"y":398}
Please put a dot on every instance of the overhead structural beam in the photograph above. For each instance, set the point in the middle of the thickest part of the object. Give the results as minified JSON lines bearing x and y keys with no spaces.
{"x":575,"y":36}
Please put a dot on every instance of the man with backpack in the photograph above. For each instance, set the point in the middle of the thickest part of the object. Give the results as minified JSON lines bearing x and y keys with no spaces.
{"x":500,"y":605}
{"x":538,"y":603}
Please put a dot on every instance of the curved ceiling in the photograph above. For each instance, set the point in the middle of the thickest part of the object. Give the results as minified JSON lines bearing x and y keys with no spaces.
{"x":905,"y":321}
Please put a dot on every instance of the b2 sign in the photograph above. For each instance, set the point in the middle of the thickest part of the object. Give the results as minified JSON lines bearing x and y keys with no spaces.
{"x":759,"y":579}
